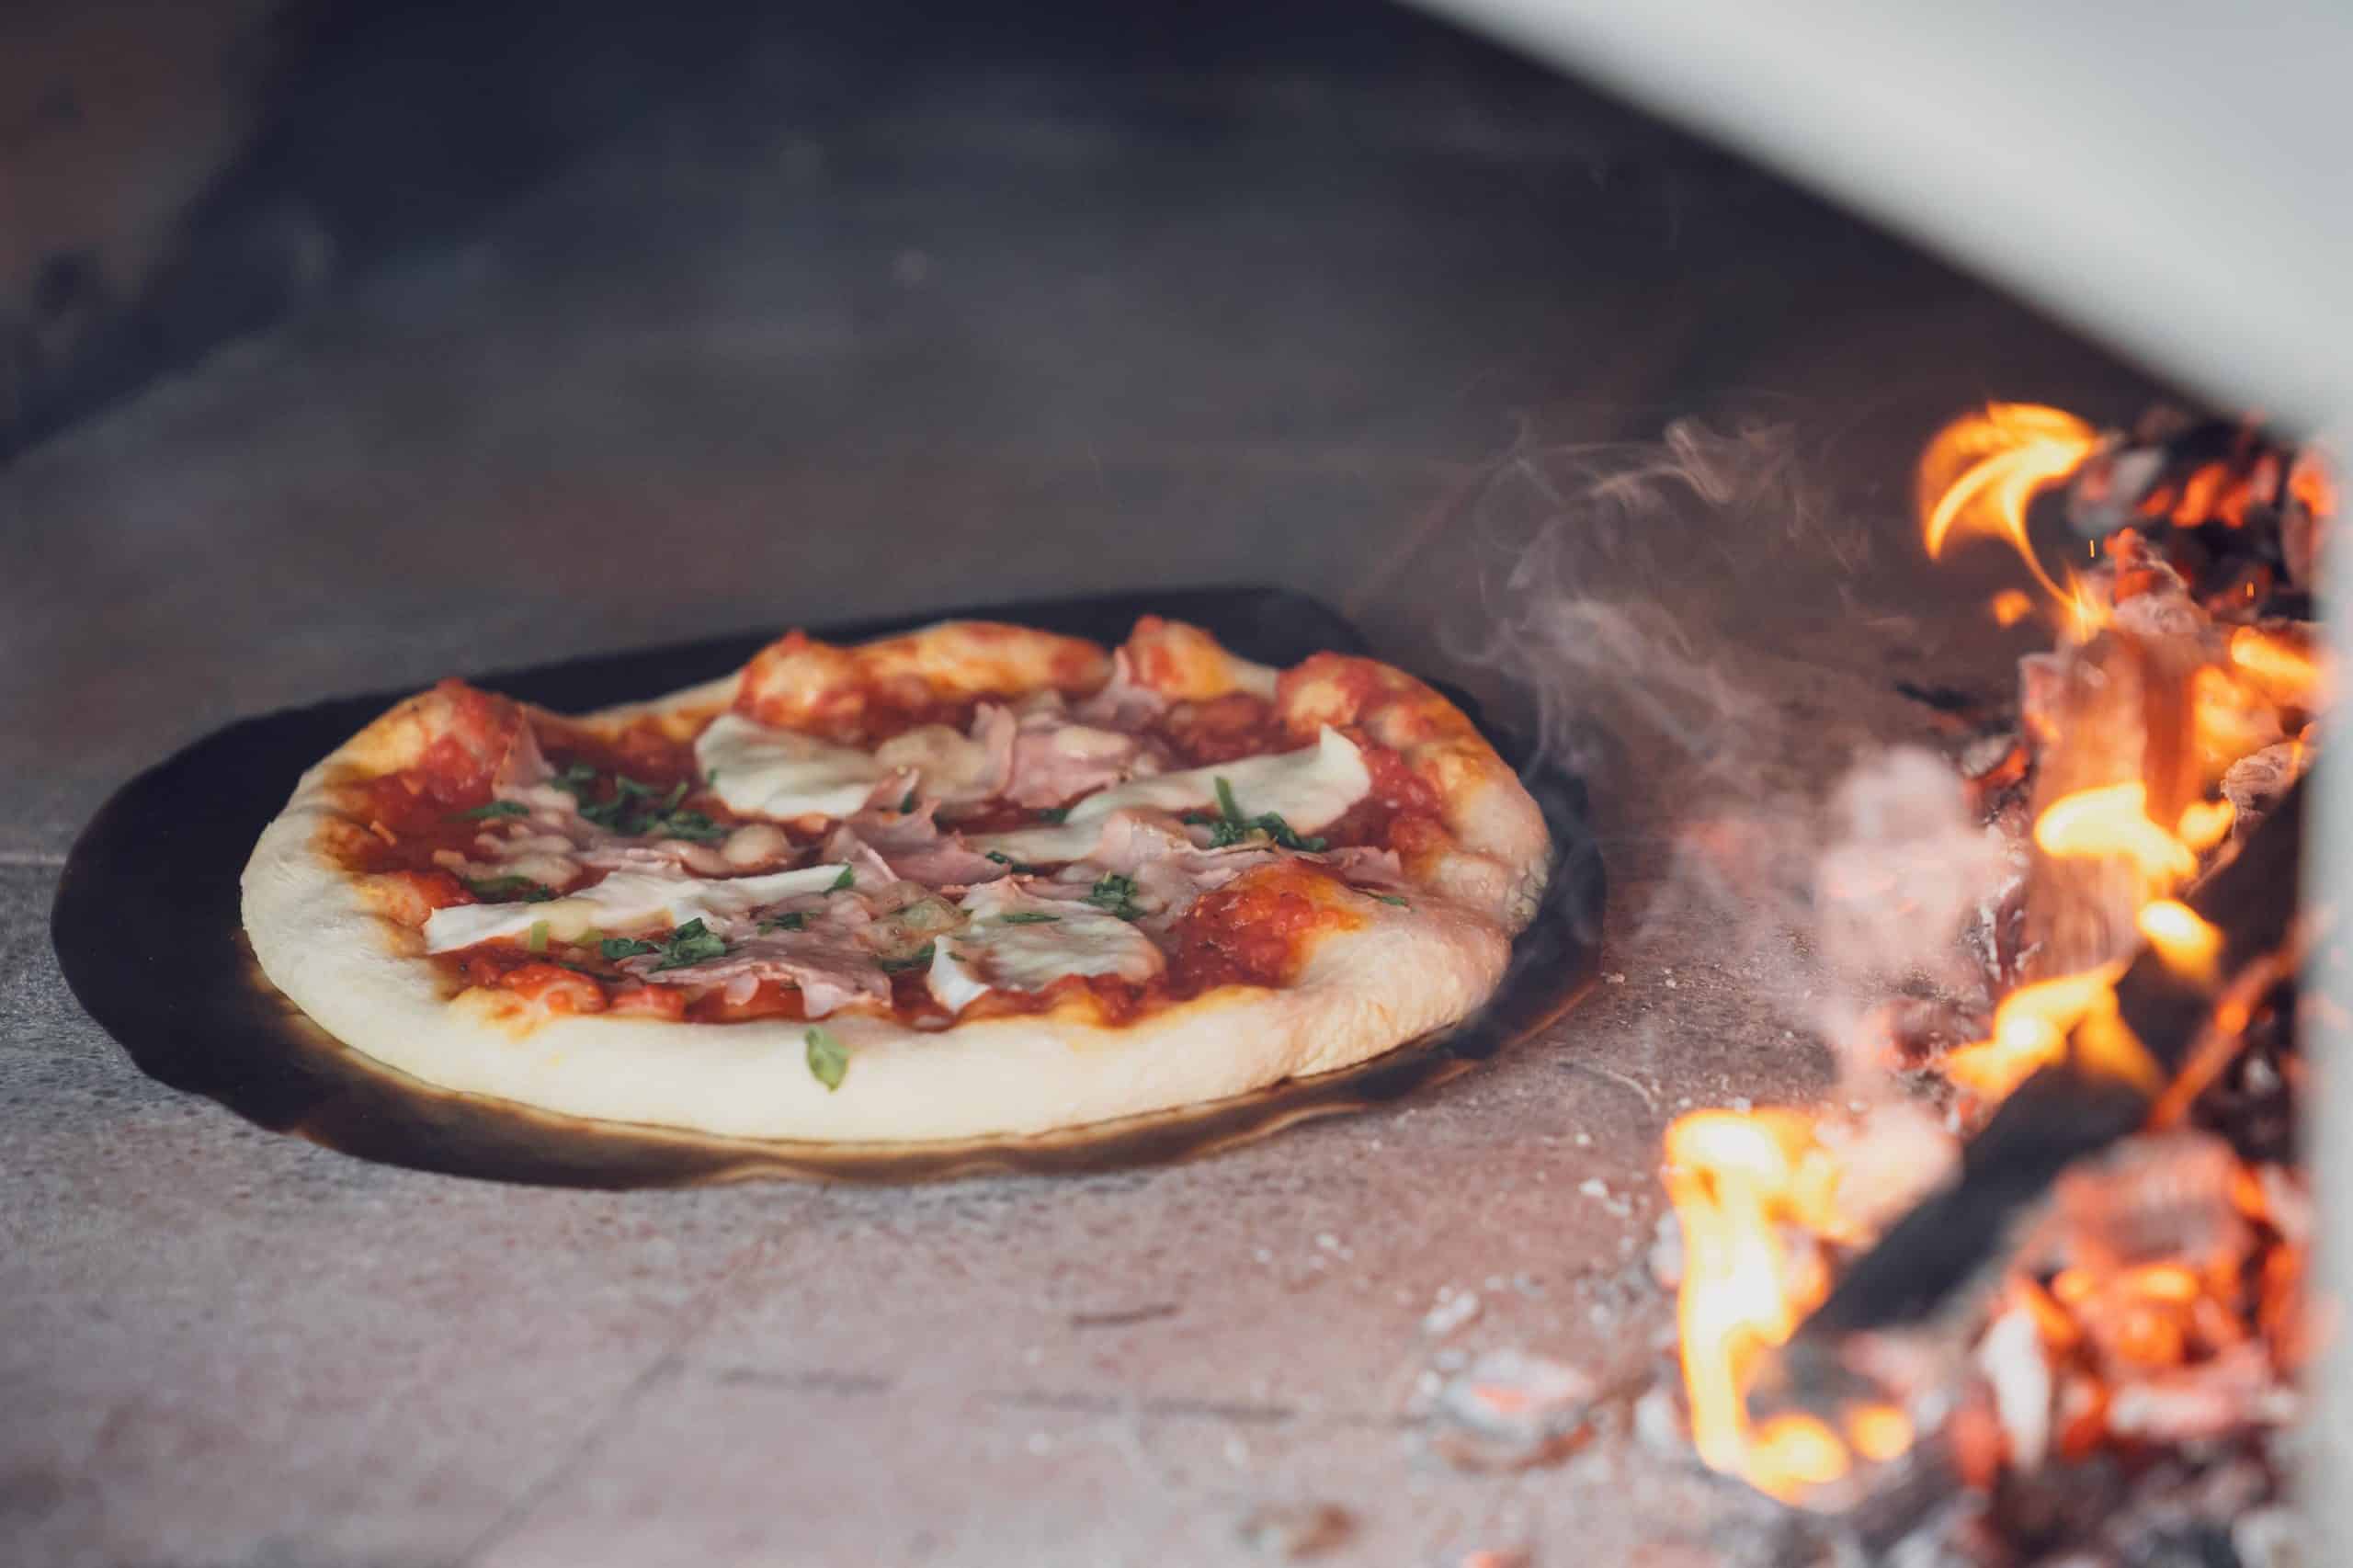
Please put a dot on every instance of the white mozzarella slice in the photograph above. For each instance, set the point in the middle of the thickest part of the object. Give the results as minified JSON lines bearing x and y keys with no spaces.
{"x":1309,"y":789}
{"x":763,"y":772}
{"x":1041,"y":941}
{"x":954,"y":766}
{"x":624,"y":901}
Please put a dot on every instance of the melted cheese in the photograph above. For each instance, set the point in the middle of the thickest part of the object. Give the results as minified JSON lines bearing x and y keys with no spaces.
{"x":990,"y":950}
{"x":1309,"y":787}
{"x":777,"y":773}
{"x":624,"y":901}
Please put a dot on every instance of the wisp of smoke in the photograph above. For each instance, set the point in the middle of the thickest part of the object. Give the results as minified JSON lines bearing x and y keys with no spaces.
{"x":1635,"y":600}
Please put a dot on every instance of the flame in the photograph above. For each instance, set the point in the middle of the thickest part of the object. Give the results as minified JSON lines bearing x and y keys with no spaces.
{"x":1738,"y":1180}
{"x":2030,"y":1028}
{"x":2282,"y":667}
{"x":1981,"y":471}
{"x":2189,"y":945}
{"x":2205,"y":824}
{"x":2113,"y":819}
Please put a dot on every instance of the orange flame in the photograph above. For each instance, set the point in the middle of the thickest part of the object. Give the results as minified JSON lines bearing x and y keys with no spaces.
{"x":2283,"y":667}
{"x":2030,"y":1028}
{"x":1981,"y":471}
{"x":2189,"y":945}
{"x":2113,"y":820}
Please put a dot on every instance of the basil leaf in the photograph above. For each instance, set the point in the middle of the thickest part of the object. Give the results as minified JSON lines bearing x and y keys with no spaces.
{"x":493,"y":889}
{"x":827,"y":1061}
{"x":1054,"y":814}
{"x":691,"y":944}
{"x":920,"y":958}
{"x":844,"y":882}
{"x":625,"y":947}
{"x":1000,"y":859}
{"x":907,"y":802}
{"x":793,"y":922}
{"x":1026,"y":917}
{"x":493,"y":809}
{"x":1115,"y":895}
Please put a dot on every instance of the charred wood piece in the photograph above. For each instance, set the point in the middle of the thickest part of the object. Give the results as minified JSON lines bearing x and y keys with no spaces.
{"x":2065,"y":1111}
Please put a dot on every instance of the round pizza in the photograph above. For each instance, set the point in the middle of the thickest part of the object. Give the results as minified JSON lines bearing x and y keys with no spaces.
{"x":977,"y":880}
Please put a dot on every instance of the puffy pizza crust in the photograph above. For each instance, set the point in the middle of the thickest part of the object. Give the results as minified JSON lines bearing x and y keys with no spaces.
{"x":1399,"y":973}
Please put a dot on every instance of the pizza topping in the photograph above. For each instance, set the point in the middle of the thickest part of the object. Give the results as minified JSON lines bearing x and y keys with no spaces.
{"x":826,"y":964}
{"x":494,"y":890}
{"x":912,"y":846}
{"x":1124,"y":703}
{"x":623,"y":899}
{"x":1004,"y":943}
{"x":827,"y":1061}
{"x":759,"y":771}
{"x":1304,"y":790}
{"x":952,"y":766}
{"x":1055,"y":759}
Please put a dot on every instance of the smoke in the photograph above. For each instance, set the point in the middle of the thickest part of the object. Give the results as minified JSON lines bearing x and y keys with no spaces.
{"x":1681,"y":624}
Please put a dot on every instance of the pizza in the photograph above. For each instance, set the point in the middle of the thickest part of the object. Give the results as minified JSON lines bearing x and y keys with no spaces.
{"x":973,"y":881}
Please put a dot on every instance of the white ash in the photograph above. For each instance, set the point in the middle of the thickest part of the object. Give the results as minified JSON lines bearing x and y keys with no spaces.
{"x":1295,"y":1532}
{"x":1453,"y":1310}
{"x":1508,"y":1410}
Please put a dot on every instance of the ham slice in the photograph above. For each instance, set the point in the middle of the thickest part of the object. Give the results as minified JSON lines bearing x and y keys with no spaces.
{"x":1122,"y":704}
{"x":1155,"y":851}
{"x":911,"y":847}
{"x":829,"y":967}
{"x":1055,"y":758}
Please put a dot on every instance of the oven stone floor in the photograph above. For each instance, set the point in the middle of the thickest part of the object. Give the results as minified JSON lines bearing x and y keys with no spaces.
{"x":868,"y":367}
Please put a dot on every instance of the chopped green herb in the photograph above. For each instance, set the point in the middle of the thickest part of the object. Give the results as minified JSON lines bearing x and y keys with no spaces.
{"x":691,"y":944}
{"x":495,"y":889}
{"x":537,"y":940}
{"x":827,"y":1060}
{"x":1230,"y":826}
{"x":1000,"y":859}
{"x":1226,"y":805}
{"x":843,"y":883}
{"x":1054,"y":813}
{"x":625,"y":946}
{"x":793,"y":922}
{"x":920,"y":958}
{"x":1115,"y":895}
{"x":1009,"y":863}
{"x":637,"y":810}
{"x":1026,"y":917}
{"x":1388,"y":898}
{"x":494,"y":809}
{"x":906,"y":802}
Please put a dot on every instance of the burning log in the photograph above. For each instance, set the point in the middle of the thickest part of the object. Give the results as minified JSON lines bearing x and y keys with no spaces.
{"x":2073,"y":1108}
{"x":2243,"y":511}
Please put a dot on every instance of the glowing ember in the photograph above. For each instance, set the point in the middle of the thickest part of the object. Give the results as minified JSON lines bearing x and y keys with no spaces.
{"x":2010,"y":606}
{"x":1980,"y":474}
